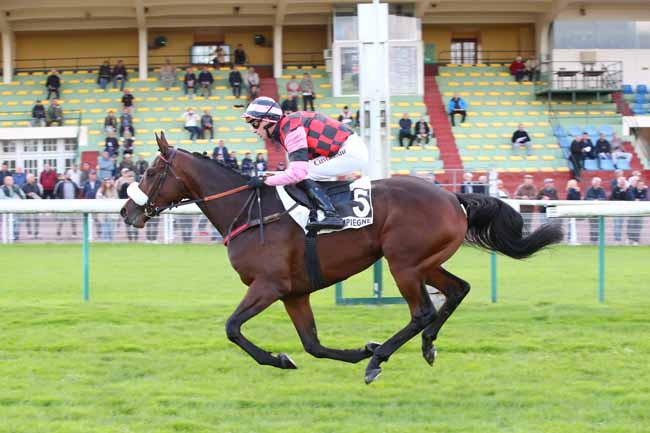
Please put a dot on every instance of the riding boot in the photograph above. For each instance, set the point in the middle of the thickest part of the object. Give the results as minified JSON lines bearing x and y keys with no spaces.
{"x":332,"y":219}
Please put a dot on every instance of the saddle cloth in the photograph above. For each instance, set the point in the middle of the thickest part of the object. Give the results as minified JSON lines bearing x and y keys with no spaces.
{"x":352,"y":200}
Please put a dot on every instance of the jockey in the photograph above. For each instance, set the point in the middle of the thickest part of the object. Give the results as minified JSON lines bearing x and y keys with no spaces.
{"x":319,"y":148}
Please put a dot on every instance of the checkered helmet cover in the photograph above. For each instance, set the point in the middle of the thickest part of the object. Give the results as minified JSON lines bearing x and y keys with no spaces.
{"x":263,"y":108}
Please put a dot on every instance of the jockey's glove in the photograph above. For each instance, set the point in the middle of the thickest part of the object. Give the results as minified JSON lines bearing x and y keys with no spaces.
{"x":255,"y":182}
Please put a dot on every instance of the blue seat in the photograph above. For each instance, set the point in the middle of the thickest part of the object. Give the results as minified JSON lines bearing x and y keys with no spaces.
{"x":591,"y":130}
{"x":591,"y":164}
{"x":640,"y":98}
{"x":638,"y":109}
{"x":565,"y":142}
{"x":606,"y":164}
{"x":575,"y":131}
{"x":623,"y":164}
{"x":641,"y":88}
{"x":558,"y":131}
{"x":607,"y":130}
{"x":627,"y":89}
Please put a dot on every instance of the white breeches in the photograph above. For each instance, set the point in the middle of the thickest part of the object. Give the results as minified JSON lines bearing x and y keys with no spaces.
{"x":352,"y":157}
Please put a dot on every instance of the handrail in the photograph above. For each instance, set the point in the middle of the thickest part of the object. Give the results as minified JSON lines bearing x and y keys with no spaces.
{"x":492,"y":56}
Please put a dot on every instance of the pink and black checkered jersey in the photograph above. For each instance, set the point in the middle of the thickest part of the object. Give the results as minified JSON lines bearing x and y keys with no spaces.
{"x":325,"y":136}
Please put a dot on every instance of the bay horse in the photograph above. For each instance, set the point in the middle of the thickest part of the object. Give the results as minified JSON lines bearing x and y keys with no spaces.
{"x":417,"y":227}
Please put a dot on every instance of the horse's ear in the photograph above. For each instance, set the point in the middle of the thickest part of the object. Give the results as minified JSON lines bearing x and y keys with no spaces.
{"x":163,"y":146}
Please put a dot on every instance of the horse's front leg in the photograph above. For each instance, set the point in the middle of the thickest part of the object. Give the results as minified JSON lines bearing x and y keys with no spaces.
{"x":259,"y":296}
{"x":302,"y":316}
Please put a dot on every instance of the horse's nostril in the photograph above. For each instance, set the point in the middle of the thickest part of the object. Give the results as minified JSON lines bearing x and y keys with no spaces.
{"x":123,"y":213}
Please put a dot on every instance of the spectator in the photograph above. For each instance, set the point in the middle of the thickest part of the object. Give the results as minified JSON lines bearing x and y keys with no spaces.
{"x":12,"y":192}
{"x":32,"y":191}
{"x":127,"y":101}
{"x":219,"y":57}
{"x":66,"y":190}
{"x":603,"y":149}
{"x":207,"y":124}
{"x":521,"y":137}
{"x":588,"y":147}
{"x":220,"y":159}
{"x":482,"y":187}
{"x":548,"y":192}
{"x":189,"y":81}
{"x":618,"y":152}
{"x":53,"y":84}
{"x":168,"y":74}
{"x":107,"y":221}
{"x":252,"y":79}
{"x":518,"y":69}
{"x":346,"y":117}
{"x":253,"y":93}
{"x":293,"y":86}
{"x":421,"y":131}
{"x":526,"y":191}
{"x":205,"y":81}
{"x":467,"y":187}
{"x":126,"y":164}
{"x":220,"y":151}
{"x":83,"y":174}
{"x":54,"y":113}
{"x":126,"y":123}
{"x":532,"y":69}
{"x":638,"y":192}
{"x":19,"y":177}
{"x":289,"y":105}
{"x":141,"y":166}
{"x":192,"y":122}
{"x":75,"y":174}
{"x":235,"y":81}
{"x":120,"y":74}
{"x":247,"y":167}
{"x":240,"y":55}
{"x":612,"y":183}
{"x":38,"y":114}
{"x":105,"y":166}
{"x":502,"y":193}
{"x":111,"y":145}
{"x":307,"y":89}
{"x":127,"y":143}
{"x":128,"y":177}
{"x":577,"y":157}
{"x":595,"y":192}
{"x":104,"y":75}
{"x":110,"y":122}
{"x":621,"y":192}
{"x":573,"y":190}
{"x":4,"y":171}
{"x":457,"y":105}
{"x":48,"y":179}
{"x":405,"y":127}
{"x":260,"y":164}
{"x":232,"y":161}
{"x":90,"y":188}
{"x":116,"y":172}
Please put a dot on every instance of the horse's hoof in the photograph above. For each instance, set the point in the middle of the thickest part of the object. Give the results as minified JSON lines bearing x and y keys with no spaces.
{"x":371,"y":347}
{"x":372,"y":374}
{"x":286,"y":362}
{"x":430,"y":354}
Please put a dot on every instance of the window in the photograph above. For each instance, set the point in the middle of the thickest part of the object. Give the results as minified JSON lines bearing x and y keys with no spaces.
{"x":463,"y":51}
{"x":50,"y":145}
{"x":205,"y":54}
{"x":8,"y":146}
{"x":30,"y":146}
{"x":349,"y":70}
{"x":53,"y":163}
{"x":31,"y":166}
{"x":70,"y":145}
{"x":69,"y":162}
{"x":11,"y":163}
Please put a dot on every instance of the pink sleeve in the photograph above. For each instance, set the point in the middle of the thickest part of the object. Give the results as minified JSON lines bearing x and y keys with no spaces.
{"x":297,"y":169}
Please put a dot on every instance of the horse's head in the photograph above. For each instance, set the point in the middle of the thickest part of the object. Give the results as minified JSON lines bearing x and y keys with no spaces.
{"x":159,"y":187}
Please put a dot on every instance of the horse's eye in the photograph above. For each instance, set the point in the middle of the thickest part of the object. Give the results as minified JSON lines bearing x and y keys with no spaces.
{"x":150,"y":172}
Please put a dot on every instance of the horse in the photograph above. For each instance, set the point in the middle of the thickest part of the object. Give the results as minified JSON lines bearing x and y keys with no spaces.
{"x":417,"y":227}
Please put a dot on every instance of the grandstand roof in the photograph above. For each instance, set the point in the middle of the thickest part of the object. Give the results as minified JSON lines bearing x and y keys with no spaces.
{"x":30,"y":15}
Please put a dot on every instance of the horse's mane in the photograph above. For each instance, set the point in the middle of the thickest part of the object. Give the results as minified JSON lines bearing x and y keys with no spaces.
{"x":214,"y":162}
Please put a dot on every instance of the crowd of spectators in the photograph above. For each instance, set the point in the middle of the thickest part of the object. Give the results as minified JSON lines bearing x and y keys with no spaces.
{"x":582,"y":148}
{"x":520,"y":69}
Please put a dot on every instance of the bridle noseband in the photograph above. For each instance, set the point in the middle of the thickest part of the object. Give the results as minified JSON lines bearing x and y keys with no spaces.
{"x":150,"y":210}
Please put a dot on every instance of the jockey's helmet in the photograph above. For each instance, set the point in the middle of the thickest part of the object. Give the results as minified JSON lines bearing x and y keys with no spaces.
{"x":263,"y":108}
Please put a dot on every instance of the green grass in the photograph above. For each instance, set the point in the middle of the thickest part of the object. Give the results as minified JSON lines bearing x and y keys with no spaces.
{"x":149,"y":352}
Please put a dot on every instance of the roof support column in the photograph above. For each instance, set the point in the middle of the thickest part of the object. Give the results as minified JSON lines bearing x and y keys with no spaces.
{"x":277,"y":50}
{"x":143,"y":53}
{"x":7,"y":56}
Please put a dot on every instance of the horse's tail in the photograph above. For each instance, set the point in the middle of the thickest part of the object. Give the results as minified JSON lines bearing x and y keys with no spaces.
{"x":494,"y":225}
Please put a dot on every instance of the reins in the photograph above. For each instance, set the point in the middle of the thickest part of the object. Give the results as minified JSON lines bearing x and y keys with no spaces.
{"x":211,"y":197}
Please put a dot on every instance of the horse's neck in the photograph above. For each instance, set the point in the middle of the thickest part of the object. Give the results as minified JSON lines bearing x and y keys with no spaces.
{"x":221,"y":212}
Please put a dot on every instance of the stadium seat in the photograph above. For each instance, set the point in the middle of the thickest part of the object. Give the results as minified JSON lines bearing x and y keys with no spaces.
{"x":606,"y":164}
{"x":591,"y":164}
{"x":574,"y":131}
{"x":641,"y":88}
{"x":638,"y":109}
{"x":623,"y":164}
{"x":640,"y":98}
{"x":606,"y":129}
{"x":627,"y":89}
{"x":591,"y":131}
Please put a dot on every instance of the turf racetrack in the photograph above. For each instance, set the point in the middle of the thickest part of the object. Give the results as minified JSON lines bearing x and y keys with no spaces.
{"x":149,"y":352}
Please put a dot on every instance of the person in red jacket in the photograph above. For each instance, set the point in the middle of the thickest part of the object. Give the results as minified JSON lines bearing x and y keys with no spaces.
{"x":48,"y":179}
{"x":518,"y":69}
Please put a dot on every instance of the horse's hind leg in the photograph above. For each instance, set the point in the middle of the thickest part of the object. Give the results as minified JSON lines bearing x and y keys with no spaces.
{"x":422,"y":314}
{"x":455,"y":290}
{"x":299,"y":309}
{"x":258,"y":297}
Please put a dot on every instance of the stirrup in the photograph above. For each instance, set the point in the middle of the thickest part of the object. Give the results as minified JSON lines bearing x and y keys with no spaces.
{"x":329,"y":222}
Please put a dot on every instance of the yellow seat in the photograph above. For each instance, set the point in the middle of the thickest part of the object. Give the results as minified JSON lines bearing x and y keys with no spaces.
{"x":467,"y":158}
{"x":175,"y":130}
{"x":548,"y":158}
{"x":499,"y":158}
{"x":428,"y":159}
{"x":484,"y":158}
